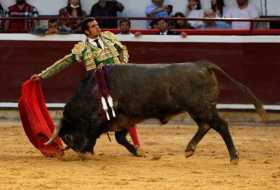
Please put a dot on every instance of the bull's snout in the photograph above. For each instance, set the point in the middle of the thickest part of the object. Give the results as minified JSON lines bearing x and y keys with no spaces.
{"x":88,"y":147}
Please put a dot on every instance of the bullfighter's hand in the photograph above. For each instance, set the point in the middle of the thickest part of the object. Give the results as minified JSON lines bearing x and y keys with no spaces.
{"x":35,"y":77}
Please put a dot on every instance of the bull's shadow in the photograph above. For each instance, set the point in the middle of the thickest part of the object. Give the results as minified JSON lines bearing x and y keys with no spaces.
{"x":143,"y":92}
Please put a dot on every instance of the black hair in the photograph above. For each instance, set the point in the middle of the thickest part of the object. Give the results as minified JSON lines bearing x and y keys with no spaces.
{"x":219,"y":6}
{"x":125,"y":20}
{"x":179,"y":26}
{"x":198,"y":4}
{"x":70,"y":9}
{"x":179,"y":14}
{"x":161,"y":19}
{"x":84,"y":24}
{"x":169,"y":9}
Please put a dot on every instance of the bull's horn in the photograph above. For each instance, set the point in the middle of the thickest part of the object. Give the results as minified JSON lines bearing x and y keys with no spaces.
{"x":54,"y":134}
{"x":66,"y":148}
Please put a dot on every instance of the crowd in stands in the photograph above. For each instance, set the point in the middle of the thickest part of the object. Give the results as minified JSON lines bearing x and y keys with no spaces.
{"x":69,"y":17}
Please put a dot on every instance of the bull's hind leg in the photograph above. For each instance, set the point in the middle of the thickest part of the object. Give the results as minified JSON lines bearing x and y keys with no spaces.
{"x":121,"y":139}
{"x":221,"y":126}
{"x":203,"y":128}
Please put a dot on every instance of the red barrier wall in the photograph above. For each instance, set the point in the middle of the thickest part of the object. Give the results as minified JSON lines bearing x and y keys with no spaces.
{"x":257,"y":65}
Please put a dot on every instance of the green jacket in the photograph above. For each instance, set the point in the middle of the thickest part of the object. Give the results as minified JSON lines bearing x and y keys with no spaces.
{"x":114,"y":52}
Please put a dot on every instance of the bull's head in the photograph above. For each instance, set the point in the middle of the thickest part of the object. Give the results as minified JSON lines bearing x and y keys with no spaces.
{"x":75,"y":135}
{"x":79,"y":135}
{"x":81,"y":125}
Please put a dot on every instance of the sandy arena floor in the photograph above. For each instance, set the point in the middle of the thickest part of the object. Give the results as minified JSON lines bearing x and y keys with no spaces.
{"x":164,"y":167}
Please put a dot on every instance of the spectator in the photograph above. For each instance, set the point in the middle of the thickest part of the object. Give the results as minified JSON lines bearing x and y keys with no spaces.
{"x":2,"y":14}
{"x":53,"y":28}
{"x":212,"y":24}
{"x":66,"y":15}
{"x":164,"y":29}
{"x":218,"y":7}
{"x":158,"y":9}
{"x":180,"y":24}
{"x":106,"y":8}
{"x":21,"y":9}
{"x":195,"y":11}
{"x":217,"y":11}
{"x":124,"y":27}
{"x":244,"y":10}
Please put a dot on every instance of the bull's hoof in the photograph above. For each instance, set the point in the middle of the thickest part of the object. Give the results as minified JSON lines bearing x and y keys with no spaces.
{"x":234,"y":162}
{"x":140,"y":152}
{"x":234,"y":159}
{"x":189,"y":153}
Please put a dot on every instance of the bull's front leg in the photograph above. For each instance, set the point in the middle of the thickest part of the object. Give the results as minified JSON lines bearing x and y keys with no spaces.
{"x":121,"y":139}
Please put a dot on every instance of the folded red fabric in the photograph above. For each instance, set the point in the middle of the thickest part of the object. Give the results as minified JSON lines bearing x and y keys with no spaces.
{"x":36,"y":120}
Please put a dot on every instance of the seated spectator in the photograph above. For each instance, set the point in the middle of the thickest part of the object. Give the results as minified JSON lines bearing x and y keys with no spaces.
{"x":163,"y":28}
{"x":2,"y":14}
{"x":106,"y":8}
{"x":21,"y":9}
{"x":195,"y":11}
{"x":218,"y":7}
{"x":66,"y":15}
{"x":53,"y":28}
{"x":212,"y":24}
{"x":158,"y":9}
{"x":124,"y":27}
{"x":217,"y":11}
{"x":180,"y":24}
{"x":244,"y":10}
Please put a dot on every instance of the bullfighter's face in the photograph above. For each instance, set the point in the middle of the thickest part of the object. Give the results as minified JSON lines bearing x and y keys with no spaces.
{"x":93,"y":29}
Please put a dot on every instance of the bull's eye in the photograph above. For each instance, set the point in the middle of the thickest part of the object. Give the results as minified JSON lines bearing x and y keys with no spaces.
{"x":69,"y":138}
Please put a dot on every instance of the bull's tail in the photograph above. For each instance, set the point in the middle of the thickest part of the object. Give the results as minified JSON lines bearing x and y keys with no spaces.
{"x":252,"y":98}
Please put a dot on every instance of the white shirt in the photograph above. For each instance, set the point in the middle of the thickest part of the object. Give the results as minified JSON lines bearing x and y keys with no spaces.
{"x":92,"y":42}
{"x":163,"y":33}
{"x":196,"y":14}
{"x":129,"y":34}
{"x":250,"y":12}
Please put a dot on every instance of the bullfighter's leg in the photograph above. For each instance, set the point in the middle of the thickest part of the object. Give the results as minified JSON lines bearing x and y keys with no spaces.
{"x":221,"y":126}
{"x":203,"y":128}
{"x":134,"y":136}
{"x":121,"y":139}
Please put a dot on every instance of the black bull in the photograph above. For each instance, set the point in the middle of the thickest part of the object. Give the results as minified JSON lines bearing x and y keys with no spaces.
{"x":142,"y":92}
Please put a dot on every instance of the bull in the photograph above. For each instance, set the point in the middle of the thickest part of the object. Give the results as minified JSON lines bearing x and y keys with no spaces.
{"x":146,"y":91}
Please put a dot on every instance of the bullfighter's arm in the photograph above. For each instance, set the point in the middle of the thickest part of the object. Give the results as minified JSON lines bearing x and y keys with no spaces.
{"x":73,"y":57}
{"x":124,"y":56}
{"x":57,"y":66}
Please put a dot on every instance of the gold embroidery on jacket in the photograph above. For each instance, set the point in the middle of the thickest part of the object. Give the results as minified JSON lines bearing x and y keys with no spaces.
{"x":113,"y":52}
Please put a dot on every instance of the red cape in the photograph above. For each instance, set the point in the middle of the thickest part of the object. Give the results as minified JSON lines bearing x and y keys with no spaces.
{"x":36,"y":120}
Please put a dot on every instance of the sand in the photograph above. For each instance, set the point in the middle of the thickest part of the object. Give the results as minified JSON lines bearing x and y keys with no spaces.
{"x":163,"y":168}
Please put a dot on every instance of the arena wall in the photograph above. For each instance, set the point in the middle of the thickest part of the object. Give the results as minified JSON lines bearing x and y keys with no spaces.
{"x":253,"y":60}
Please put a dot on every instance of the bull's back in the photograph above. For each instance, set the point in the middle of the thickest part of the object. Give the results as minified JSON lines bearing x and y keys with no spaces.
{"x":162,"y":84}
